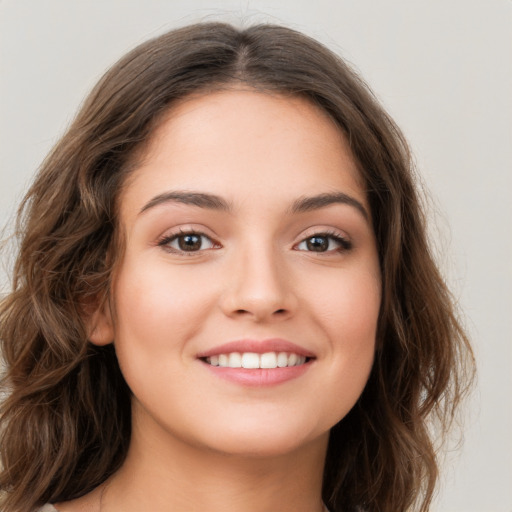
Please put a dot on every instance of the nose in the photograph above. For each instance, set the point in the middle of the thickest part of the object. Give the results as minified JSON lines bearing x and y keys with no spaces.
{"x":259,"y":288}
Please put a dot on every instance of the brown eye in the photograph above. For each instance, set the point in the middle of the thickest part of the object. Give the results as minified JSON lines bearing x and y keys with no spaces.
{"x":187,"y":242}
{"x":324,"y":243}
{"x":317,"y":243}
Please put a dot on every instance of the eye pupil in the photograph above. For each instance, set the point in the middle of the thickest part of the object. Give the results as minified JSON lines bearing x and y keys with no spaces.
{"x":189,"y":242}
{"x":317,"y":243}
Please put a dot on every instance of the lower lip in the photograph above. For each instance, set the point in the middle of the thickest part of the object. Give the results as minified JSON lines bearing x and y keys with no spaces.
{"x":259,"y":377}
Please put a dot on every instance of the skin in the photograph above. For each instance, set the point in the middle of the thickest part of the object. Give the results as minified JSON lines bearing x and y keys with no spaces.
{"x":201,"y":442}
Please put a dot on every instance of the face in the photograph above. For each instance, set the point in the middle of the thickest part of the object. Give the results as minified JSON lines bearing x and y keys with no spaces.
{"x":247,"y":298}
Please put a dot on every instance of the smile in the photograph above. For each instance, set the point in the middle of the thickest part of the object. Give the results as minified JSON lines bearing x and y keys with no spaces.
{"x":252,"y":360}
{"x":258,"y":363}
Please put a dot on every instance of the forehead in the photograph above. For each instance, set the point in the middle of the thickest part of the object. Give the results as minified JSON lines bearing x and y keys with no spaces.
{"x":244,"y":143}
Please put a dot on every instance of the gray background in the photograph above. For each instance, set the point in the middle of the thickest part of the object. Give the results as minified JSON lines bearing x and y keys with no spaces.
{"x":443,"y":69}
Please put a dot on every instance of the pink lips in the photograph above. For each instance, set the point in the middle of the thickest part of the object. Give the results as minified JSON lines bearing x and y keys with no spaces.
{"x":258,"y":377}
{"x":258,"y":347}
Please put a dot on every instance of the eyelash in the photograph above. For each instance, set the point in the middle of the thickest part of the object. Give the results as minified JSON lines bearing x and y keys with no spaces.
{"x":344,"y":243}
{"x":167,"y":240}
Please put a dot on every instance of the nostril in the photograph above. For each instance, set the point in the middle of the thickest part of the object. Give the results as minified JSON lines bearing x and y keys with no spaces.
{"x":279,"y":312}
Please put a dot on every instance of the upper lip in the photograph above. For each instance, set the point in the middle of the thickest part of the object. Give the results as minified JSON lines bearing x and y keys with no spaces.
{"x":257,"y":347}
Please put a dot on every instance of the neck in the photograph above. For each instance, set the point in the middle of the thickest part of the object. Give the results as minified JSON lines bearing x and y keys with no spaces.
{"x":163,"y":474}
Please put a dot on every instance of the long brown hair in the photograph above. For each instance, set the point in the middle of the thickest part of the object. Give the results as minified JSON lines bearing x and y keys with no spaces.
{"x":65,"y":420}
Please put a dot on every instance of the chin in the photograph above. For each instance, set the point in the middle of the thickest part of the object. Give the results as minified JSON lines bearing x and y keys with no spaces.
{"x":265,"y":440}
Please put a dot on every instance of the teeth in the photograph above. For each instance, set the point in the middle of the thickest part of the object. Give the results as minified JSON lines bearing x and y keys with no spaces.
{"x":250,"y":360}
{"x":253,"y":360}
{"x":292,"y":359}
{"x":268,"y":360}
{"x":282,"y":359}
{"x":235,"y":360}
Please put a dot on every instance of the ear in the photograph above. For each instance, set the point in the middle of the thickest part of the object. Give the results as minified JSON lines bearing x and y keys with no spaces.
{"x":100,"y":325}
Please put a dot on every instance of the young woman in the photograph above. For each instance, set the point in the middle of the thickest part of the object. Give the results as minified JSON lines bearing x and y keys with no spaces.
{"x":224,"y":298}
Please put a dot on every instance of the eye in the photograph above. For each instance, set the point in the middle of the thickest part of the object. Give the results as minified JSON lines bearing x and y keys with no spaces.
{"x":187,"y":242}
{"x":324,"y":242}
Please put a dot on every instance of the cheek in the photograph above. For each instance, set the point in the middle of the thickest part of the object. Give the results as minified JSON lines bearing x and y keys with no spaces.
{"x":348,"y":307}
{"x":348,"y":315}
{"x":158,"y":307}
{"x":358,"y":312}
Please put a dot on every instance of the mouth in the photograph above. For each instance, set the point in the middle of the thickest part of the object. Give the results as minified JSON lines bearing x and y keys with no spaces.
{"x":253,"y":360}
{"x":258,"y":363}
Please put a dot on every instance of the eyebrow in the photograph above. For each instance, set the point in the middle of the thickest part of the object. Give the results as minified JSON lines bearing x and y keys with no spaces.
{"x":306,"y":204}
{"x":214,"y":202}
{"x":202,"y":200}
